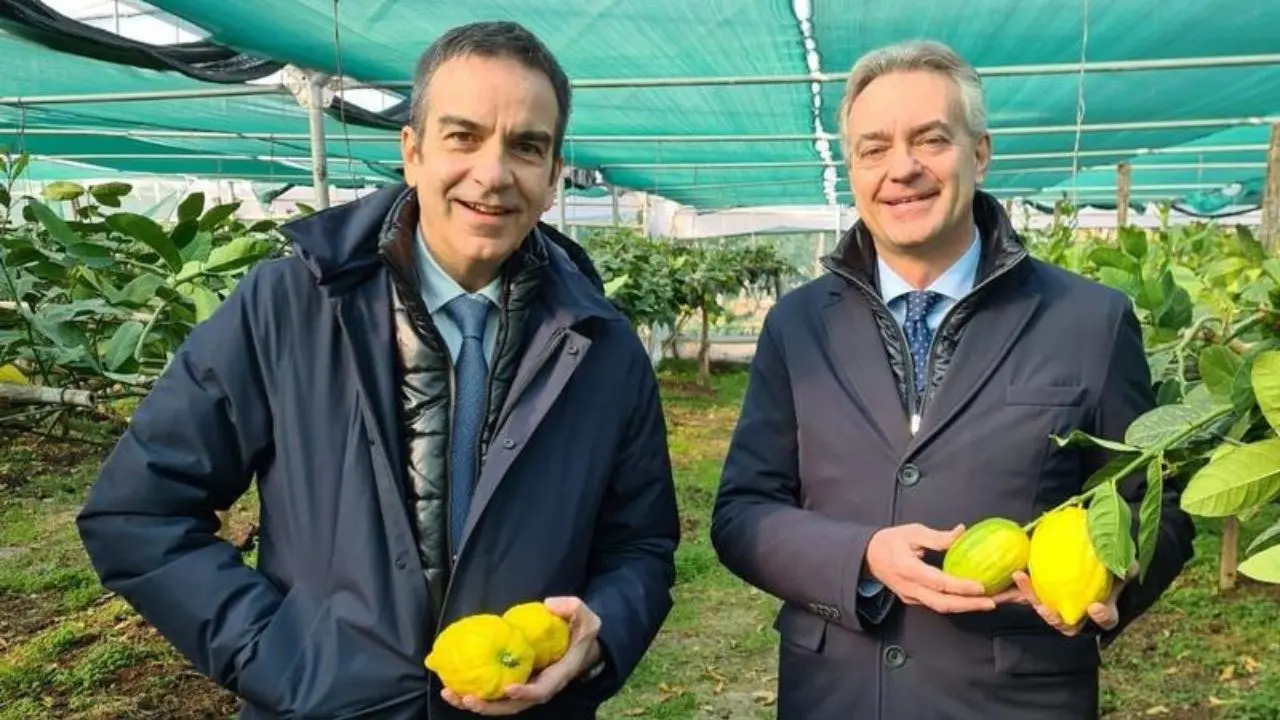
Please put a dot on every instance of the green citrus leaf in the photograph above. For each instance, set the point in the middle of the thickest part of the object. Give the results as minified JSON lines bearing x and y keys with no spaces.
{"x":1110,"y":524}
{"x":1246,"y":476}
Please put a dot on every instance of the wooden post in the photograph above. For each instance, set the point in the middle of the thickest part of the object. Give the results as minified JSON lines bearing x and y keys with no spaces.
{"x":1230,"y":554}
{"x":1270,"y":231}
{"x":1123,"y":185}
{"x":41,"y":395}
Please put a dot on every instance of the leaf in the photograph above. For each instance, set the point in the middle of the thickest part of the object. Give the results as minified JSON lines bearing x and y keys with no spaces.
{"x":1110,"y":524}
{"x":1264,"y":537}
{"x":1265,"y":382}
{"x":1134,"y":242}
{"x":190,"y":208}
{"x":612,"y":286}
{"x":182,"y":235}
{"x":20,"y":166}
{"x":1109,"y":257}
{"x":199,"y":248}
{"x":1177,"y":310}
{"x":218,"y":215}
{"x":145,"y":230}
{"x":57,"y":227}
{"x":1126,"y":282}
{"x":120,"y":348}
{"x":1218,"y":368}
{"x":238,"y":253}
{"x":1081,"y":438}
{"x":1149,"y":515}
{"x":1263,"y":567}
{"x":109,"y":193}
{"x":62,"y":191}
{"x":1109,"y":471}
{"x":140,"y":290}
{"x":206,"y":302}
{"x":1245,"y":477}
{"x":1158,"y":425}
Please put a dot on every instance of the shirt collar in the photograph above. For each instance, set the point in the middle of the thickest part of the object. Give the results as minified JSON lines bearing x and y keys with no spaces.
{"x":955,"y":283}
{"x":437,"y":287}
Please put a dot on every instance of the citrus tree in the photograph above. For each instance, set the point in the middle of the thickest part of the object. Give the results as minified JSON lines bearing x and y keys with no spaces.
{"x":98,"y":299}
{"x":1206,"y":296}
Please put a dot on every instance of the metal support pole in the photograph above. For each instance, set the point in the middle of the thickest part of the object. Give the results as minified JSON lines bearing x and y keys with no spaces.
{"x":319,"y":161}
{"x":560,"y":202}
{"x":613,"y":197}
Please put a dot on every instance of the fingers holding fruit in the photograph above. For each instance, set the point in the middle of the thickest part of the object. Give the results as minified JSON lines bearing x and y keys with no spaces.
{"x":504,"y":664}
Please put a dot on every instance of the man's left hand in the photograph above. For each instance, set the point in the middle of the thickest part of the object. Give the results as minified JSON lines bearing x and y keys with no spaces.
{"x":583,"y":652}
{"x":1104,"y":614}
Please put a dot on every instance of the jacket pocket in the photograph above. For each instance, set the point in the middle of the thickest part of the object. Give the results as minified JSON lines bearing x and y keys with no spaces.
{"x":1049,"y":395}
{"x":265,"y":668}
{"x":1046,"y":654}
{"x":801,"y":628}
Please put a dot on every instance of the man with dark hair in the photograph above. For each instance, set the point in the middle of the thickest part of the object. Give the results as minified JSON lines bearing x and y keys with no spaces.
{"x":444,"y":415}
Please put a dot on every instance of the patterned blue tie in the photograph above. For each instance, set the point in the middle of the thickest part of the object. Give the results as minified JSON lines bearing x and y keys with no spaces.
{"x":917,"y":330}
{"x":470,"y":372}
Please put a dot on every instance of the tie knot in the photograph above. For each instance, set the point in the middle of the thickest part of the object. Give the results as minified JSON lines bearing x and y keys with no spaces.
{"x":469,"y":313}
{"x":919,"y":304}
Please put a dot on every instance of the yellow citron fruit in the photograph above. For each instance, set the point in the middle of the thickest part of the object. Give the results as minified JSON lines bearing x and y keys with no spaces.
{"x":547,"y":632}
{"x":12,"y":375}
{"x":481,"y":655}
{"x":1066,"y":573}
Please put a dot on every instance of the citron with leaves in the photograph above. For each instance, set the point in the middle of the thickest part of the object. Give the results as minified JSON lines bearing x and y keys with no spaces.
{"x":1065,"y":571}
{"x":990,"y":552}
{"x":481,"y":655}
{"x":546,"y":631}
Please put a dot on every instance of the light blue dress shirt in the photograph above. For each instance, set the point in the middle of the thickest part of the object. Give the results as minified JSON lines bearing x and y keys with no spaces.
{"x":438,"y":288}
{"x":953,"y":285}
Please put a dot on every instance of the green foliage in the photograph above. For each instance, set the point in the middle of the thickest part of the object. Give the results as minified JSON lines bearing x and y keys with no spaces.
{"x":1206,"y":297}
{"x":103,"y":299}
{"x":660,"y":282}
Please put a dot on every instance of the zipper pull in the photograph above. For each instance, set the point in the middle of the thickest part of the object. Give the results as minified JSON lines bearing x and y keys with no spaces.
{"x":915,"y":423}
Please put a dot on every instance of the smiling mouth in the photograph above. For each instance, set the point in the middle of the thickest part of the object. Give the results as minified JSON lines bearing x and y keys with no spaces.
{"x":912,"y":199}
{"x":485,"y":209}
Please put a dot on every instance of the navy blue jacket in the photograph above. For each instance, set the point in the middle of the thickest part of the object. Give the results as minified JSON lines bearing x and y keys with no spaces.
{"x":294,"y":381}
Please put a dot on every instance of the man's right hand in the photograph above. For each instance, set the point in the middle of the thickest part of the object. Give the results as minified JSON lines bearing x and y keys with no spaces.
{"x":894,"y":558}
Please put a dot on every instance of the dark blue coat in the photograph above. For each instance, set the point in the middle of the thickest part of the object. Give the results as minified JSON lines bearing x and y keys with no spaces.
{"x":294,"y":381}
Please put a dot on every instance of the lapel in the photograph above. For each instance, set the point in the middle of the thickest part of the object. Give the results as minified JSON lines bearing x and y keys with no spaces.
{"x":554,"y":345}
{"x":988,"y":337}
{"x":855,"y":347}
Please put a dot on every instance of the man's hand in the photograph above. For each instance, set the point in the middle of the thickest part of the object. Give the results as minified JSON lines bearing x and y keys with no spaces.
{"x":893,"y":558}
{"x":1104,"y":614}
{"x":583,"y":652}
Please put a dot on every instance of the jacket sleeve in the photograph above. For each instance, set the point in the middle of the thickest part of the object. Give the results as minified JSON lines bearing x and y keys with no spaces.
{"x":760,"y":531}
{"x":1125,"y":395}
{"x":633,"y":552}
{"x":149,"y":525}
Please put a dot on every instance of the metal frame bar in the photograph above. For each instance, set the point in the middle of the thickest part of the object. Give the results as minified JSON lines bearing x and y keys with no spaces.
{"x":1069,"y":68}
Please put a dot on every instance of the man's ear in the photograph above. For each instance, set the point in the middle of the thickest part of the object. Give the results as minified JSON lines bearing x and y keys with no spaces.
{"x":557,"y":168}
{"x":982,"y":157}
{"x":410,"y":154}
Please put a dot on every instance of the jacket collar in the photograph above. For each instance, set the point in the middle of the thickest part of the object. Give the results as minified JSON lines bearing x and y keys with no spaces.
{"x":345,"y":245}
{"x":855,"y":254}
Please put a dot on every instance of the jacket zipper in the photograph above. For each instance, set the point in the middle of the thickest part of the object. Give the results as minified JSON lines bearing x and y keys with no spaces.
{"x":914,"y":413}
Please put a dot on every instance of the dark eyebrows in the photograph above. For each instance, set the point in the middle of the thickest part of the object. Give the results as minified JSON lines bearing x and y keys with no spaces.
{"x":541,"y":138}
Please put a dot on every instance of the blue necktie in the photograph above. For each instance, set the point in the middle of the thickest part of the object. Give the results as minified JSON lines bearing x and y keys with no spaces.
{"x":470,"y":372}
{"x":918,"y":333}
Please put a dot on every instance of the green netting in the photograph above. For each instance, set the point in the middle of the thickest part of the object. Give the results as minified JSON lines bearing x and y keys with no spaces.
{"x":1033,"y":117}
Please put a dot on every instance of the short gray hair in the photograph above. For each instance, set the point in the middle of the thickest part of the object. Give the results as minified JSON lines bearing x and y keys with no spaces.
{"x":913,"y":56}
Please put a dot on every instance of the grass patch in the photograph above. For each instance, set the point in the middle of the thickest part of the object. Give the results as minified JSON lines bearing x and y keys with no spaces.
{"x":67,"y":650}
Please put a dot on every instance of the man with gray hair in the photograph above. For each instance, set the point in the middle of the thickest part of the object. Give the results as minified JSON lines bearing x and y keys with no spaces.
{"x":910,"y":392}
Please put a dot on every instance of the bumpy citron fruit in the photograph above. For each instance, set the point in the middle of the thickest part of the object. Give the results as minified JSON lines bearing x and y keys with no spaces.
{"x":990,"y":552}
{"x":481,"y":655}
{"x":547,"y":632}
{"x":1066,"y":573}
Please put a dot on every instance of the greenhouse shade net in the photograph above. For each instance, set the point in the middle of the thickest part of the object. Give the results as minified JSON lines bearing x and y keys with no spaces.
{"x":1033,"y":117}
